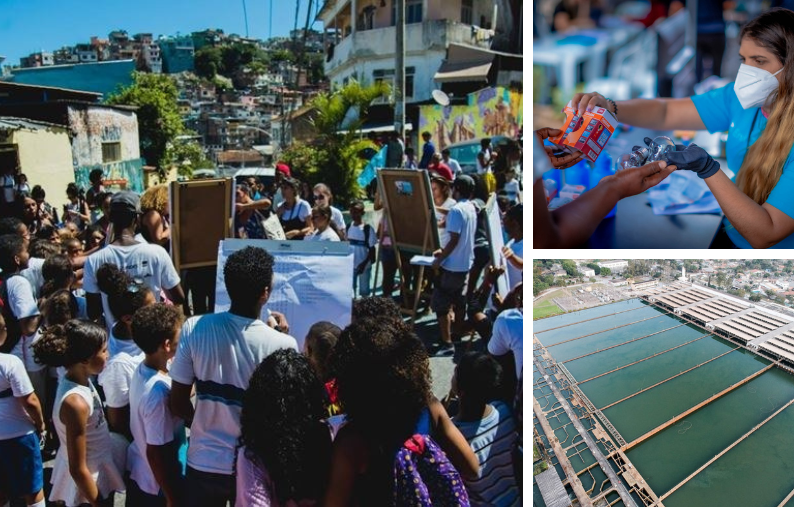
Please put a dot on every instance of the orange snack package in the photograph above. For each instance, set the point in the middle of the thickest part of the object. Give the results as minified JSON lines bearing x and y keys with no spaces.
{"x":588,"y":133}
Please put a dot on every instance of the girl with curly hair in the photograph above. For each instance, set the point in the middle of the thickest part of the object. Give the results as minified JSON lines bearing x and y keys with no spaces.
{"x":286,"y":447}
{"x":155,"y":221}
{"x":90,"y":464}
{"x":383,"y":375}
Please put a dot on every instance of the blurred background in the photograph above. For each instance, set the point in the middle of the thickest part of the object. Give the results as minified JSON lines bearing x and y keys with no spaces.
{"x":629,"y":49}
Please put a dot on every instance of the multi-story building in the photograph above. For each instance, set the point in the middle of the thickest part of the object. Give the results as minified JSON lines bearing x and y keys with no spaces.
{"x":208,"y":37}
{"x":361,"y":40}
{"x":40,"y":59}
{"x":614,"y":265}
{"x":177,"y":53}
{"x":65,"y":56}
{"x":86,"y":53}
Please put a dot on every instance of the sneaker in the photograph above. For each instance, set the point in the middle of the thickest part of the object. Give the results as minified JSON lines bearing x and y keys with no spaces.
{"x":446,"y":350}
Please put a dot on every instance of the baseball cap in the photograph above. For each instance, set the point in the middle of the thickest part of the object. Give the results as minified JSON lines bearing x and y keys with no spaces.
{"x":442,"y":172}
{"x":125,"y":202}
{"x":283,"y":169}
{"x":464,"y":184}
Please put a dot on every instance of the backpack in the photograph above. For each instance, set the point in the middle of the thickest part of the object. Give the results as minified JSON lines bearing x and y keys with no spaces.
{"x":367,"y":232}
{"x":423,"y":475}
{"x":12,"y":323}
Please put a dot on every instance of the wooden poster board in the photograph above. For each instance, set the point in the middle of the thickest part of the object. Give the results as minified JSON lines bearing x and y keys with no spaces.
{"x":408,"y":202}
{"x":496,"y":242}
{"x":201,"y":216}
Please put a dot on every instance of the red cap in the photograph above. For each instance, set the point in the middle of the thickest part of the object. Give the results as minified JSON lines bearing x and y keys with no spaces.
{"x":284,"y":169}
{"x":442,"y":171}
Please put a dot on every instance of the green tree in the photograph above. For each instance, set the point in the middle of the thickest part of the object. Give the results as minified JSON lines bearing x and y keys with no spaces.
{"x":207,"y":62}
{"x":188,"y":157}
{"x":755,"y":298}
{"x":606,"y":271}
{"x":721,"y":279}
{"x":592,"y":280}
{"x":155,"y":96}
{"x":570,"y":268}
{"x":337,"y":153}
{"x":595,"y":267}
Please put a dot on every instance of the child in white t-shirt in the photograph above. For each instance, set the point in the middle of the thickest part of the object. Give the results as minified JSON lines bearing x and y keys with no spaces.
{"x":362,"y":238}
{"x":125,"y":296}
{"x":20,"y":418}
{"x":512,"y":186}
{"x":156,"y":471}
{"x":324,"y":228}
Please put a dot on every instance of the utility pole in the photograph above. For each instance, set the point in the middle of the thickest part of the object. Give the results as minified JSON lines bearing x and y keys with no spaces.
{"x":399,"y":75}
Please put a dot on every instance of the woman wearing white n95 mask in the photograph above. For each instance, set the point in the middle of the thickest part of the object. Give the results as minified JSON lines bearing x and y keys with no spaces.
{"x":758,"y":113}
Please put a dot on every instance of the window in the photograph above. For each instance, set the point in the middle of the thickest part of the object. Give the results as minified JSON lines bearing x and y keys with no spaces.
{"x":413,"y":11}
{"x":409,"y":81}
{"x":467,"y":12}
{"x":111,"y":152}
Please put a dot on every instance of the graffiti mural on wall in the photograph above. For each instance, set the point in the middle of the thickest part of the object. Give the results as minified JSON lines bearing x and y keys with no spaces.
{"x":124,"y":175}
{"x":489,"y":112}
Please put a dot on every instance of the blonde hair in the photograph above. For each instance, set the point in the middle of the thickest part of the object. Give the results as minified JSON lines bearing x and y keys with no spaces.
{"x":764,"y":161}
{"x":155,"y":198}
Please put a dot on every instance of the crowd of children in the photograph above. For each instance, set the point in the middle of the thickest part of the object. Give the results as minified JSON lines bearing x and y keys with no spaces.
{"x":103,"y":369}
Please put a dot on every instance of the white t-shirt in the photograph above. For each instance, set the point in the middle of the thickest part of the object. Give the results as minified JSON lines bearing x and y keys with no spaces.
{"x":14,"y":383}
{"x":337,"y":218}
{"x":515,"y":275}
{"x":301,"y":210}
{"x":151,"y":423}
{"x":219,"y":352}
{"x":327,"y":235}
{"x":512,"y":188}
{"x":116,"y":377}
{"x":150,"y":263}
{"x":508,"y":336}
{"x":462,"y":220}
{"x":482,"y":169}
{"x":24,"y":351}
{"x":453,"y":164}
{"x":117,"y":346}
{"x":23,"y":305}
{"x":359,"y":241}
{"x":33,"y":275}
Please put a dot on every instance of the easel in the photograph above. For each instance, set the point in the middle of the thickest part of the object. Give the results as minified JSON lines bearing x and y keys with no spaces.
{"x":419,"y":183}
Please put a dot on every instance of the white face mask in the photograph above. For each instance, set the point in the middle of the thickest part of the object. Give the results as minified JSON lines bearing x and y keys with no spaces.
{"x":753,"y":85}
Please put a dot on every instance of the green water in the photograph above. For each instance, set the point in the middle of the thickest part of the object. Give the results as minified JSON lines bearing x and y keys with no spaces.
{"x":615,"y":386}
{"x":757,"y":472}
{"x":640,"y":414}
{"x":596,"y":364}
{"x":576,"y":348}
{"x":595,"y":326}
{"x":590,"y":313}
{"x":692,"y":442}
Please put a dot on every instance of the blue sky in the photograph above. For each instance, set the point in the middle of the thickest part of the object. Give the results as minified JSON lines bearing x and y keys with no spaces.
{"x":32,"y":25}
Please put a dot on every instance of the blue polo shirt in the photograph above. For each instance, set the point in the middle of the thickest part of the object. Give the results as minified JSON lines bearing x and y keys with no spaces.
{"x":720,"y":110}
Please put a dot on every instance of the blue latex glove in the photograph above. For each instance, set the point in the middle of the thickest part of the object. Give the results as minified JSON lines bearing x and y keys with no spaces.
{"x":694,"y":158}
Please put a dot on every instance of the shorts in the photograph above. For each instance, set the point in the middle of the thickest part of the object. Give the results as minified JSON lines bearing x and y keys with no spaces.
{"x":482,"y":256}
{"x":207,"y":489}
{"x":21,"y":471}
{"x":448,"y":291}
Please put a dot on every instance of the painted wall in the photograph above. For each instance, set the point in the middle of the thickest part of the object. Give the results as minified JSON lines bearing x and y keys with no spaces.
{"x":92,"y":126}
{"x":444,"y":9}
{"x":100,"y":77}
{"x":489,"y":112}
{"x":45,"y":157}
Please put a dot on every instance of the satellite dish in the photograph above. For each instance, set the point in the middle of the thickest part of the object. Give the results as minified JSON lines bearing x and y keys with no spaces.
{"x":440,"y":97}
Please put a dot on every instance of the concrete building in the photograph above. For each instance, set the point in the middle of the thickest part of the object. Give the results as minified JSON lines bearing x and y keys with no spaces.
{"x":102,"y":136}
{"x":177,"y":53}
{"x":41,"y":151}
{"x":39,"y":59}
{"x":360,"y":39}
{"x":614,"y":265}
{"x":588,"y":272}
